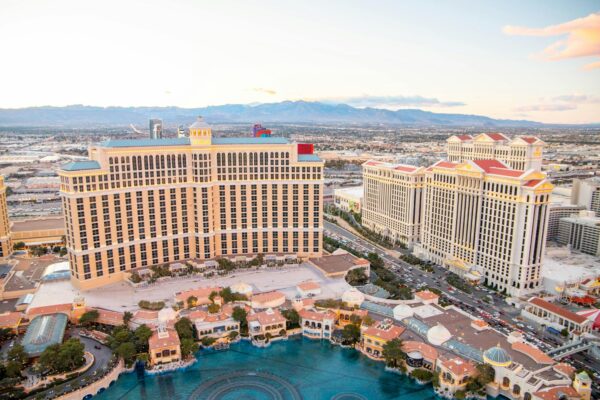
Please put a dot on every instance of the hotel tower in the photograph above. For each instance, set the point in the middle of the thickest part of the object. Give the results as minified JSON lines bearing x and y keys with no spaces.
{"x":138,"y":203}
{"x":5,"y":242}
{"x":486,"y":222}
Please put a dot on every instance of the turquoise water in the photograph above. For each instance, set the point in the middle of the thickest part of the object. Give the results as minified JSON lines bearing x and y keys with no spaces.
{"x":290,"y":370}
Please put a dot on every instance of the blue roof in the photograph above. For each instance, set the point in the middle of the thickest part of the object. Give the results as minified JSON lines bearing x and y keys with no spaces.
{"x":44,"y":331}
{"x":81,"y":165}
{"x":308,"y":157}
{"x":250,"y":140}
{"x":146,"y":142}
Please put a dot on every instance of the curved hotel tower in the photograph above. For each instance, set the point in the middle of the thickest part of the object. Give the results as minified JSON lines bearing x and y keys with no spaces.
{"x":138,"y":203}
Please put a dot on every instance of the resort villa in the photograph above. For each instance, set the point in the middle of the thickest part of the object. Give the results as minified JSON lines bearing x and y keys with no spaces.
{"x":164,"y":346}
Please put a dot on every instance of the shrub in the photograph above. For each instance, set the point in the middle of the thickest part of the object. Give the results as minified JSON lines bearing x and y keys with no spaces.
{"x":151,"y":305}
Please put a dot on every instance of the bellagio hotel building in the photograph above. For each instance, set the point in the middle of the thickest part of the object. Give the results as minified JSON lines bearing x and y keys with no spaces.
{"x":143,"y":202}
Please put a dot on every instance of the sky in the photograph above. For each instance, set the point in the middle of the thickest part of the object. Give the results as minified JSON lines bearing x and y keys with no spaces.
{"x":534,"y":59}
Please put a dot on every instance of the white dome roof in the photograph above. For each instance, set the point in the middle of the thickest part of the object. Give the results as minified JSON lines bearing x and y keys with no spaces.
{"x":438,"y":334}
{"x":353,"y":297}
{"x":403,"y":311}
{"x":241,"y":287}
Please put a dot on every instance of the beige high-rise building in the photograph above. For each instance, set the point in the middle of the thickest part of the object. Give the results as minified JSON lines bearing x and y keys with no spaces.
{"x":138,"y":203}
{"x":392,"y":200}
{"x":486,"y":221}
{"x":5,"y":242}
{"x":521,"y":152}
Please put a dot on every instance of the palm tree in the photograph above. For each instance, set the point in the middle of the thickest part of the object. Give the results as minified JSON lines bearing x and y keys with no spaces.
{"x":393,"y":353}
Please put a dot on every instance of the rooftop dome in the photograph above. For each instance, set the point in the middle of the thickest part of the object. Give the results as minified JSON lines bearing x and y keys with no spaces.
{"x":497,"y":356}
{"x":402,"y":311}
{"x":353,"y":297}
{"x":438,"y":335}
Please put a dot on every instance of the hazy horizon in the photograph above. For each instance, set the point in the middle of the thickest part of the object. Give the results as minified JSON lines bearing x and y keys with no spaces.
{"x":536,"y":61}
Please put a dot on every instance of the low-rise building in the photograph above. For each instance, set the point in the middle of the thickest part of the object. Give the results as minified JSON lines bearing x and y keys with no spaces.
{"x":581,"y":232}
{"x":376,"y":336}
{"x":266,"y":323}
{"x":349,"y":199}
{"x":308,"y":289}
{"x":267,"y":299}
{"x":454,"y":374}
{"x":217,"y":325}
{"x":164,"y":346}
{"x":317,"y":324}
{"x":338,"y":264}
{"x":543,"y":312}
{"x":196,"y":297}
{"x":11,"y":321}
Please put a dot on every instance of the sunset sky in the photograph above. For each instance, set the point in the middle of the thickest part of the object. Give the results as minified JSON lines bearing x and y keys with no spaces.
{"x":537,"y":60}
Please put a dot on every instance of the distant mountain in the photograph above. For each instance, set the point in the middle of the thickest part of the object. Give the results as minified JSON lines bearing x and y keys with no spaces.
{"x":286,"y":111}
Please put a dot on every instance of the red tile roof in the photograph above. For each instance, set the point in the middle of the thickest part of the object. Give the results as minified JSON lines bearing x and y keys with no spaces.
{"x":108,"y":317}
{"x":553,"y":308}
{"x":145,"y":315}
{"x":487,"y":164}
{"x":56,"y":308}
{"x":459,"y":367}
{"x":428,"y":352}
{"x":316,"y":315}
{"x":535,"y":354}
{"x":10,"y":319}
{"x":498,"y":137}
{"x":157,"y":342}
{"x":533,"y":182}
{"x":267,"y":296}
{"x":201,"y":293}
{"x":505,"y":172}
{"x":267,"y":317}
{"x":445,"y":164}
{"x":405,"y":168}
{"x":426,"y":295}
{"x":372,"y":163}
{"x":464,"y":137}
{"x":529,"y":139}
{"x":556,"y":393}
{"x":392,"y":332}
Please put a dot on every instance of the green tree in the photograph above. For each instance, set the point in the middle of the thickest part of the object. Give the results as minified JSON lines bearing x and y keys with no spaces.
{"x":213,"y":308}
{"x":393,"y":353}
{"x":233,"y":335}
{"x":292,"y":318}
{"x":188,"y":346}
{"x":207,"y":341}
{"x":191,"y":301}
{"x":141,"y":336}
{"x":212,"y":296}
{"x":37,"y":251}
{"x":351,"y":334}
{"x":17,"y":354}
{"x":127,"y":352}
{"x":357,"y":277}
{"x":375,"y":260}
{"x":240,"y":315}
{"x":19,"y":245}
{"x":89,"y":317}
{"x":460,"y":395}
{"x":127,"y":317}
{"x":421,"y":374}
{"x":65,"y":357}
{"x":5,"y":333}
{"x":184,"y":328}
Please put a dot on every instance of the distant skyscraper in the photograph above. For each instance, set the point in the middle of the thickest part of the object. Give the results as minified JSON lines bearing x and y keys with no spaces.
{"x":156,"y":128}
{"x":181,"y":131}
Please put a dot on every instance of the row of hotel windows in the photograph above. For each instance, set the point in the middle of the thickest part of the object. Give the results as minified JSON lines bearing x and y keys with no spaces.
{"x":174,"y":220}
{"x":94,"y":262}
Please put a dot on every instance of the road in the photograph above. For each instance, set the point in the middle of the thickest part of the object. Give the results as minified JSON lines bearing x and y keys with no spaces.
{"x":503,"y":315}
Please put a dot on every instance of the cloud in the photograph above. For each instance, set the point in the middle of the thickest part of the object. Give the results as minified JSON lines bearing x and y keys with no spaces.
{"x":582,"y":39}
{"x":547,"y":107}
{"x":270,"y":92}
{"x":393,"y":101}
{"x":561,"y":103}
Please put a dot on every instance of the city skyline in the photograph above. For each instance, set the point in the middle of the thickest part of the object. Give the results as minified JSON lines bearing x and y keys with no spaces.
{"x":504,"y":61}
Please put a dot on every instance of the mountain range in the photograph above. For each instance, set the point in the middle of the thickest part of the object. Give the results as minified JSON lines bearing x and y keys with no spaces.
{"x":282,"y":112}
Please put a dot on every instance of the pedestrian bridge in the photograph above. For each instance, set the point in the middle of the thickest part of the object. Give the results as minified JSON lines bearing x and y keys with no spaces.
{"x":570,"y":348}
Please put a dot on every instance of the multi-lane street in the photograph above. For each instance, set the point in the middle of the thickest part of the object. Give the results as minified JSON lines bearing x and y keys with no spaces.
{"x":493,"y":309}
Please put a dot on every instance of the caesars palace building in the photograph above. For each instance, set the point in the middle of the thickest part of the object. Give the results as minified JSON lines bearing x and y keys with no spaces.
{"x":142,"y":202}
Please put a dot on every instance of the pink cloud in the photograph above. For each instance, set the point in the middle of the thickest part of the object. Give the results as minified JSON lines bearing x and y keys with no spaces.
{"x":580,"y":38}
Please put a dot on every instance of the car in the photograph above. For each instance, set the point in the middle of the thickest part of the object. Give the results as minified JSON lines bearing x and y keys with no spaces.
{"x":97,"y":347}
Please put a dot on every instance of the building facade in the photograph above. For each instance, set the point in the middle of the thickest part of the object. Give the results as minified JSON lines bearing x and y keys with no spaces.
{"x":556,"y":212}
{"x":156,"y":128}
{"x":349,"y":199}
{"x":392,"y":200}
{"x":484,"y":219}
{"x":521,"y":152}
{"x":581,"y":232}
{"x":137,"y":203}
{"x":586,"y":193}
{"x":5,"y":242}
